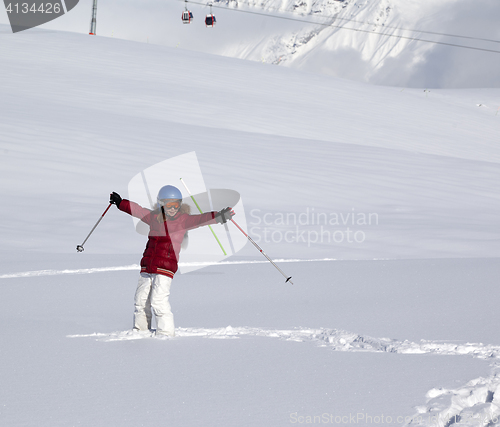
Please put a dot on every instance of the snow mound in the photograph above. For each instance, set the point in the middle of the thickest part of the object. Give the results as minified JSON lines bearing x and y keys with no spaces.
{"x":475,"y":404}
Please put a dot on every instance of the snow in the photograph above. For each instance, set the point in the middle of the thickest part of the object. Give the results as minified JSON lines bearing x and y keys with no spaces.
{"x":401,"y":324}
{"x":373,"y":41}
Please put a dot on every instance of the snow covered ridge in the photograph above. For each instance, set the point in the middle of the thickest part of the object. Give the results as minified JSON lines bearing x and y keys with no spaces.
{"x":325,"y":18}
{"x":476,"y":403}
{"x":382,"y":41}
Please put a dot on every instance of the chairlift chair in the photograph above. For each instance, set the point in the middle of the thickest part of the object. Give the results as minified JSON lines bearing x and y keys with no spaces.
{"x":187,"y":17}
{"x":210,"y":20}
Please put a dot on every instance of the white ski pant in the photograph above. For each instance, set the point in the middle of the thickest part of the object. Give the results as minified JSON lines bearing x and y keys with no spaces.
{"x":151,"y":296}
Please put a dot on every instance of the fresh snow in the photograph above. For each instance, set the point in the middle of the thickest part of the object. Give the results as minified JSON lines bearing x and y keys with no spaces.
{"x":400,"y":325}
{"x":373,"y":41}
{"x":335,"y":339}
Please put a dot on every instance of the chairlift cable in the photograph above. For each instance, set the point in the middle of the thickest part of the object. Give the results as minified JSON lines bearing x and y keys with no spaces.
{"x":333,"y":17}
{"x":347,"y":28}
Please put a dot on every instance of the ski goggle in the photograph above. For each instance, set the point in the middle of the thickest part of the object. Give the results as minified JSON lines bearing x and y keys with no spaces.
{"x":169,"y":204}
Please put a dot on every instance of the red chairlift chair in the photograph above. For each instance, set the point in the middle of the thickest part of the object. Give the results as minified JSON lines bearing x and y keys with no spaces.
{"x":210,"y":20}
{"x":187,"y":17}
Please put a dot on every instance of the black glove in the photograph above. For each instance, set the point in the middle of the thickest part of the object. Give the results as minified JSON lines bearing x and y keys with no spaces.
{"x":224,"y":215}
{"x":115,"y":199}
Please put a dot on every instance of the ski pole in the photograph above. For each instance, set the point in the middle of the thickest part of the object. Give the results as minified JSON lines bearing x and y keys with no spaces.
{"x":79,"y":248}
{"x":263,"y":253}
{"x":213,"y":232}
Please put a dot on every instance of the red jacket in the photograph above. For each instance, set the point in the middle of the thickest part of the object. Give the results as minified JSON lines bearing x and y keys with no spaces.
{"x":165,"y":237}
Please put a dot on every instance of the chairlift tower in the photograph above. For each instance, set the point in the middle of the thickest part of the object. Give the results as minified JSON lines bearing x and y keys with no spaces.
{"x":94,"y":19}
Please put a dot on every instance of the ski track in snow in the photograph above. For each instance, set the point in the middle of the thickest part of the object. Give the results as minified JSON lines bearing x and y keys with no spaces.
{"x":137,"y":267}
{"x":335,"y":339}
{"x":476,"y":403}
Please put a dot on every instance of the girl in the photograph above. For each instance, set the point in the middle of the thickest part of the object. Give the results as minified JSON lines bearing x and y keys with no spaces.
{"x":167,"y":226}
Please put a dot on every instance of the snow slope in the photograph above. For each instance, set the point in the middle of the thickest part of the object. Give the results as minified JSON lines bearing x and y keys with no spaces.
{"x":81,"y":116}
{"x":424,"y":164}
{"x":375,"y":41}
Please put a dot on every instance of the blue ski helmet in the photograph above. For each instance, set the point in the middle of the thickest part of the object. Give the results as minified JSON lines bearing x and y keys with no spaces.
{"x":169,"y":192}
